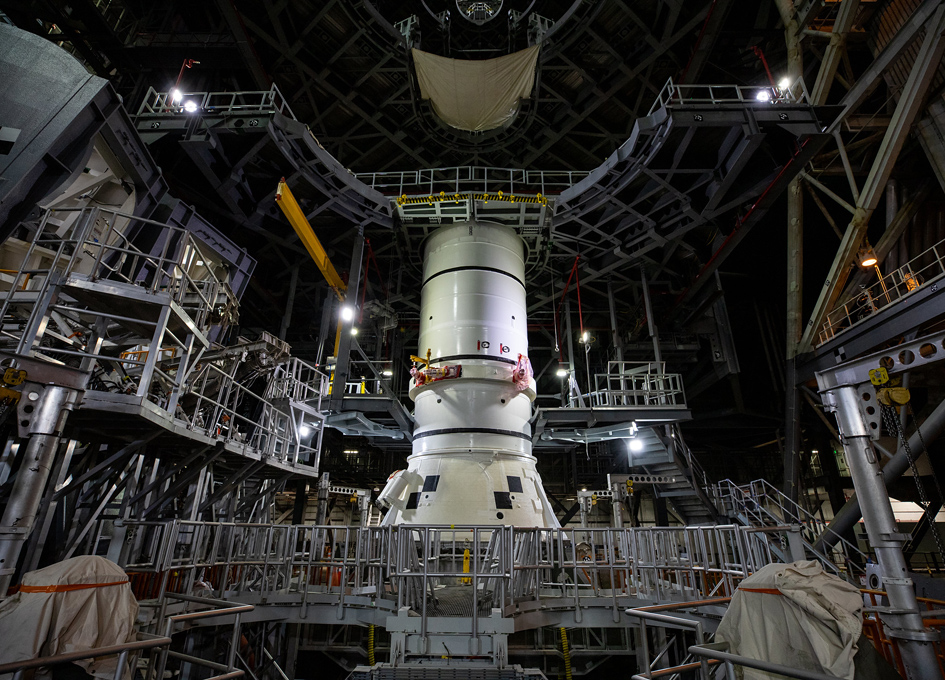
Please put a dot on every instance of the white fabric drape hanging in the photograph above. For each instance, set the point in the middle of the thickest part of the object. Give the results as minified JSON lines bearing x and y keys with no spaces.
{"x":476,"y":95}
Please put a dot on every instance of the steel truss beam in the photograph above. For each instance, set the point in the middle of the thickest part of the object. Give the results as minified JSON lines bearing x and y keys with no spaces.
{"x":913,"y":92}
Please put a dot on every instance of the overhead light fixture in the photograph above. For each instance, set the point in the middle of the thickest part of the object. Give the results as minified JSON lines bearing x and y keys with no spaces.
{"x":354,"y":331}
{"x":190,"y":106}
{"x":867,"y":256}
{"x":585,"y":336}
{"x":387,"y":373}
{"x":199,"y":263}
{"x":636,"y":445}
{"x":763,"y":95}
{"x":347,"y":313}
{"x":562,"y":372}
{"x":176,"y":95}
{"x":784,"y":83}
{"x":305,"y":431}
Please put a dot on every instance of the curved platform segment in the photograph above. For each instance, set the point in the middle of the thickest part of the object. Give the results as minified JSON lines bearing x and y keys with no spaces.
{"x":692,"y":160}
{"x":336,"y":185}
{"x":472,"y":451}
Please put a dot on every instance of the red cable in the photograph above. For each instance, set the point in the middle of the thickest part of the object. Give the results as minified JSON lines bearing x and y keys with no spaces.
{"x":761,"y":55}
{"x":567,"y":286}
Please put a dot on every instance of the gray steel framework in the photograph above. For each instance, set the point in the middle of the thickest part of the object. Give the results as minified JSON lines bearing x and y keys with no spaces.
{"x":848,"y":391}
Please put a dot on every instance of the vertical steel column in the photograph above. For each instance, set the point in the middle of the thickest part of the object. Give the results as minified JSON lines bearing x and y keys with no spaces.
{"x":904,"y":622}
{"x":574,"y":390}
{"x":792,"y":429}
{"x":290,"y":302}
{"x":618,"y":344}
{"x":324,"y":326}
{"x":343,"y":360}
{"x":795,"y":272}
{"x":617,"y":504}
{"x":154,"y":352}
{"x":650,"y":321}
{"x":321,"y":512}
{"x":48,"y":407}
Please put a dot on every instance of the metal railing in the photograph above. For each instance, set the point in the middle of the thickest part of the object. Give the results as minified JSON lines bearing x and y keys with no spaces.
{"x":697,"y":473}
{"x":657,"y":667}
{"x":468,"y":178}
{"x":158,"y":282}
{"x":631,"y":383}
{"x":923,"y":270}
{"x":94,"y":245}
{"x":681,"y":94}
{"x":716,"y":651}
{"x":176,"y":103}
{"x":145,"y":641}
{"x":221,"y":608}
{"x":298,"y":381}
{"x":221,"y":407}
{"x":764,"y":505}
{"x":405,"y":565}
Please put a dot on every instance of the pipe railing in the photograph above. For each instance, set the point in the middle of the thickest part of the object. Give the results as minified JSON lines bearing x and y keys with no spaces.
{"x":677,"y":94}
{"x":464,"y":179}
{"x":146,"y":641}
{"x":716,"y":651}
{"x":222,"y":608}
{"x":405,"y":564}
{"x":179,"y":103}
{"x":921,"y":271}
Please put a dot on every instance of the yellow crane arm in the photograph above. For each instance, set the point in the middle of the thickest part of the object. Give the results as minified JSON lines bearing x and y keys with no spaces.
{"x":299,"y":222}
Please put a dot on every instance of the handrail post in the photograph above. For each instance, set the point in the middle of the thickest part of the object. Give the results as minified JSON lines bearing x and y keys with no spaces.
{"x":234,"y":643}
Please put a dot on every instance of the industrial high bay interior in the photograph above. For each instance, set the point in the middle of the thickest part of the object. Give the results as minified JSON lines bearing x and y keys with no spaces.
{"x":496,"y":339}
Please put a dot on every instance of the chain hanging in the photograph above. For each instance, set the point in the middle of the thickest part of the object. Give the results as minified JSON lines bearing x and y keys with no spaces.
{"x":893,"y":426}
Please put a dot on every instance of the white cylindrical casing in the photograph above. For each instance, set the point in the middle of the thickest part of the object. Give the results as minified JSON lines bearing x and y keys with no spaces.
{"x":472,"y":457}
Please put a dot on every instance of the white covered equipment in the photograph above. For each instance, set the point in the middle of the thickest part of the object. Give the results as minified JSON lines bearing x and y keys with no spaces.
{"x":74,"y":605}
{"x":795,"y":615}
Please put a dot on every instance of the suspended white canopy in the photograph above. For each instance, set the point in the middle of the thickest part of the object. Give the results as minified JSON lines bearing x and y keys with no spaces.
{"x":476,"y":95}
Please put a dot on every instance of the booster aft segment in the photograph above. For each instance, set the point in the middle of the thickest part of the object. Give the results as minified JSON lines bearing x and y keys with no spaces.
{"x":472,"y":459}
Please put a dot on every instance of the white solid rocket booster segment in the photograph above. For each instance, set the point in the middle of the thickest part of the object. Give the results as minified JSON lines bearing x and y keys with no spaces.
{"x":472,"y":457}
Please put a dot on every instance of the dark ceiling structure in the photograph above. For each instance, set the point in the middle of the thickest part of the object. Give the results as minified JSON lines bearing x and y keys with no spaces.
{"x":343,"y":71}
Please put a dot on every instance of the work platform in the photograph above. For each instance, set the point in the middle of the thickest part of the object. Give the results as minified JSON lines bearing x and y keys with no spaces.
{"x":691,"y":161}
{"x":486,"y":610}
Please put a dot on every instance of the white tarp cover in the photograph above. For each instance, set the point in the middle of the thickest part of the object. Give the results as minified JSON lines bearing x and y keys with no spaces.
{"x":476,"y":95}
{"x":794,"y":615}
{"x":50,"y":616}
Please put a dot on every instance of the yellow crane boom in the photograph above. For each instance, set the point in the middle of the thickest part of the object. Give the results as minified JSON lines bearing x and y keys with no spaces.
{"x":300,"y":223}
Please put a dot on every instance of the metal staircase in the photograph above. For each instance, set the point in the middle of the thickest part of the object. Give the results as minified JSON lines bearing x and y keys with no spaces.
{"x":674,"y":473}
{"x":762,"y":506}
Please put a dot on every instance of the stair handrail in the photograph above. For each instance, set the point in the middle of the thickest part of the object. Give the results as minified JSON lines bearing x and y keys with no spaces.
{"x":746,"y":500}
{"x":699,"y":476}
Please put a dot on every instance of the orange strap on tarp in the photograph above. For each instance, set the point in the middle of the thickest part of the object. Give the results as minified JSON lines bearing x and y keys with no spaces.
{"x":769,"y":591}
{"x":65,"y":588}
